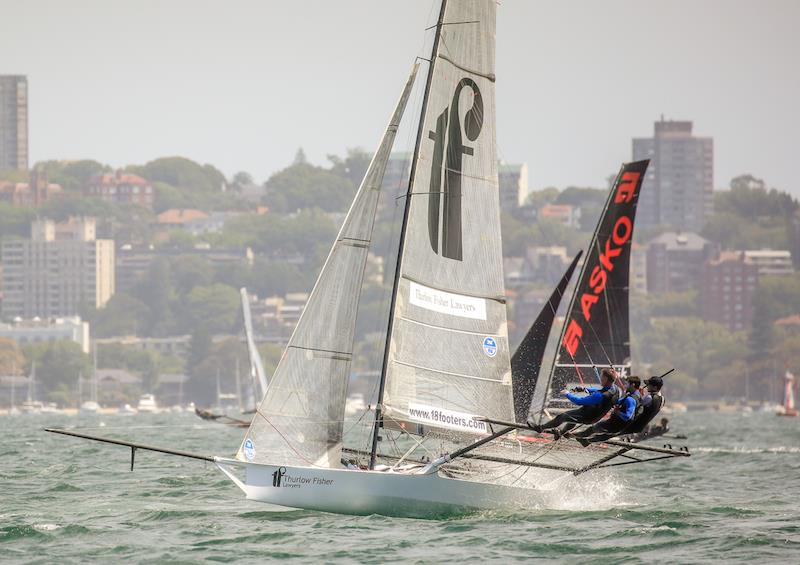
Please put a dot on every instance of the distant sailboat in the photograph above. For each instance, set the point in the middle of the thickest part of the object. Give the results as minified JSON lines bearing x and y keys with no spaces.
{"x":789,"y":408}
{"x":12,"y":409}
{"x":258,"y":378}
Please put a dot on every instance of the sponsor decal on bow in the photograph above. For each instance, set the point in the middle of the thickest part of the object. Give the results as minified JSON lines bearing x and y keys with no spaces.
{"x":281,"y":479}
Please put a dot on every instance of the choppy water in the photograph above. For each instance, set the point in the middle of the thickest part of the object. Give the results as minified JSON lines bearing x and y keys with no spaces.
{"x":71,"y":501}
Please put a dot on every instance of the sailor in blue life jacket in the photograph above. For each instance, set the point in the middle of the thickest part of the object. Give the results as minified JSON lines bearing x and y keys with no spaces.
{"x":625,"y":410}
{"x":591,"y":408}
{"x":652,"y":402}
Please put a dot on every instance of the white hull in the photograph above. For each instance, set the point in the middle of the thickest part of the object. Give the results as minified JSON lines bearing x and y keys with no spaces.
{"x":388,"y":493}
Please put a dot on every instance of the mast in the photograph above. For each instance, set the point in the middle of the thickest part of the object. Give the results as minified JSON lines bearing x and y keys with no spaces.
{"x":94,"y":374}
{"x":32,"y":382}
{"x":238,"y":387}
{"x":382,"y":384}
{"x":13,"y":389}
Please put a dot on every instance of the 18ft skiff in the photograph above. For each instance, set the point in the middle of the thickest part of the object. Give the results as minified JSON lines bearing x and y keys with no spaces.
{"x":445,"y":391}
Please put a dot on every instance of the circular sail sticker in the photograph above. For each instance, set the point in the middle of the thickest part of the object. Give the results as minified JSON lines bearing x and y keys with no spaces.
{"x":249,"y":449}
{"x":489,"y":346}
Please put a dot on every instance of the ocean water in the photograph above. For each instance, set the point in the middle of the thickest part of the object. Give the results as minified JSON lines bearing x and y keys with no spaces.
{"x":67,"y":500}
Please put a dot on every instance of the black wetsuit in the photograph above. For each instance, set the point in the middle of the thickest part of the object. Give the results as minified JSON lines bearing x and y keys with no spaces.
{"x":613,"y":426}
{"x":647,"y":414}
{"x":585,"y":414}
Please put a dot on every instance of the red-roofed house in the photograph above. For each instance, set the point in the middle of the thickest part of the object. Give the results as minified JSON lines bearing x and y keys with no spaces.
{"x":121,"y":188}
{"x":790,"y":323}
{"x":567,"y":214}
{"x":179,"y":217}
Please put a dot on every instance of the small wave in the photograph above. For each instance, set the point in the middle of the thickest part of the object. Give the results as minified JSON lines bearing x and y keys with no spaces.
{"x":746,"y":450}
{"x":10,"y":533}
{"x":46,"y":527}
{"x":159,"y":515}
{"x":64,"y":487}
{"x":657,"y":530}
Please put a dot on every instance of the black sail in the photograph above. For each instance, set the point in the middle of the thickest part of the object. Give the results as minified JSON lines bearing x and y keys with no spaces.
{"x":596,"y":330}
{"x":527,"y":359}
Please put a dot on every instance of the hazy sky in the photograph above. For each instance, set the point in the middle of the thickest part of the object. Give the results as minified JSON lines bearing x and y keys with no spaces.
{"x":243,"y":84}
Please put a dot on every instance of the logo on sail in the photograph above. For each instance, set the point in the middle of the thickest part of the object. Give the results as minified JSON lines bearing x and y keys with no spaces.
{"x":444,"y":200}
{"x":277,"y":476}
{"x":249,"y":449}
{"x":490,"y":346}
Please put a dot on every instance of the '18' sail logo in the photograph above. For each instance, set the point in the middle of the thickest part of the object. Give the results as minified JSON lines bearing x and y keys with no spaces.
{"x":277,"y":476}
{"x":444,"y":200}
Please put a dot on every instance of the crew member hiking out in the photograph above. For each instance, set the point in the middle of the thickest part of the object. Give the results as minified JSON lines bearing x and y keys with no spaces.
{"x":652,"y":402}
{"x":590,"y":408}
{"x":625,"y":410}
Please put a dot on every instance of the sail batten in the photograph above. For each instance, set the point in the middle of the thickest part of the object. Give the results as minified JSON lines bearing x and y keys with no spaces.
{"x":300,"y":419}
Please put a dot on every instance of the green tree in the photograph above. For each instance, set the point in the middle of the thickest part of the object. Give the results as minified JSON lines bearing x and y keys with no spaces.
{"x":215,"y":307}
{"x":58,"y":365}
{"x":123,"y":315}
{"x":302,"y":185}
{"x":12,"y":361}
{"x":181,"y":172}
{"x":15,"y":221}
{"x":199,"y":347}
{"x":353,"y":167}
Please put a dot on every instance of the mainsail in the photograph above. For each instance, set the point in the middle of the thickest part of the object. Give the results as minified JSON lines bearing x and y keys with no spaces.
{"x":447,"y":355}
{"x":527,"y":359}
{"x":300,"y":420}
{"x":596,"y":330}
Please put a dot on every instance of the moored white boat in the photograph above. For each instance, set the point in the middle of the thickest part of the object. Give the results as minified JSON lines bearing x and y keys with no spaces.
{"x":147,"y":404}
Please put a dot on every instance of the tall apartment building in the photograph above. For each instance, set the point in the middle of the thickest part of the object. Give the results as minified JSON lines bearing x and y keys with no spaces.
{"x":678,"y":188}
{"x":61,"y":268}
{"x":13,"y":122}
{"x":727,"y":287}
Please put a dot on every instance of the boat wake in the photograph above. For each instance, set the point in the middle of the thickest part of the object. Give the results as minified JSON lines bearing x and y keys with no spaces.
{"x":586,"y":493}
{"x":747,"y":450}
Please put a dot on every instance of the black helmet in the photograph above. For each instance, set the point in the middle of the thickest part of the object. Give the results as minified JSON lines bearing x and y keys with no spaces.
{"x":657,"y":382}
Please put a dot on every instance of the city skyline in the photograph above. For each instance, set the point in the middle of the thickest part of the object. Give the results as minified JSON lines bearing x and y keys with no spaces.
{"x":243,"y":85}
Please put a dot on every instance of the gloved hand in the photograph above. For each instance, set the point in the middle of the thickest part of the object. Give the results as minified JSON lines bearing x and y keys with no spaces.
{"x":578,"y":389}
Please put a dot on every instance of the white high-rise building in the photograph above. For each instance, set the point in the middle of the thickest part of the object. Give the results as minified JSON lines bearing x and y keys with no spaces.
{"x":59,"y":270}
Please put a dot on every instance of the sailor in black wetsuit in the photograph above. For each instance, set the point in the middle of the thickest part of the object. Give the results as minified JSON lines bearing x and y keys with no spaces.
{"x":591,"y":407}
{"x":625,"y":411}
{"x":652,"y":403}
